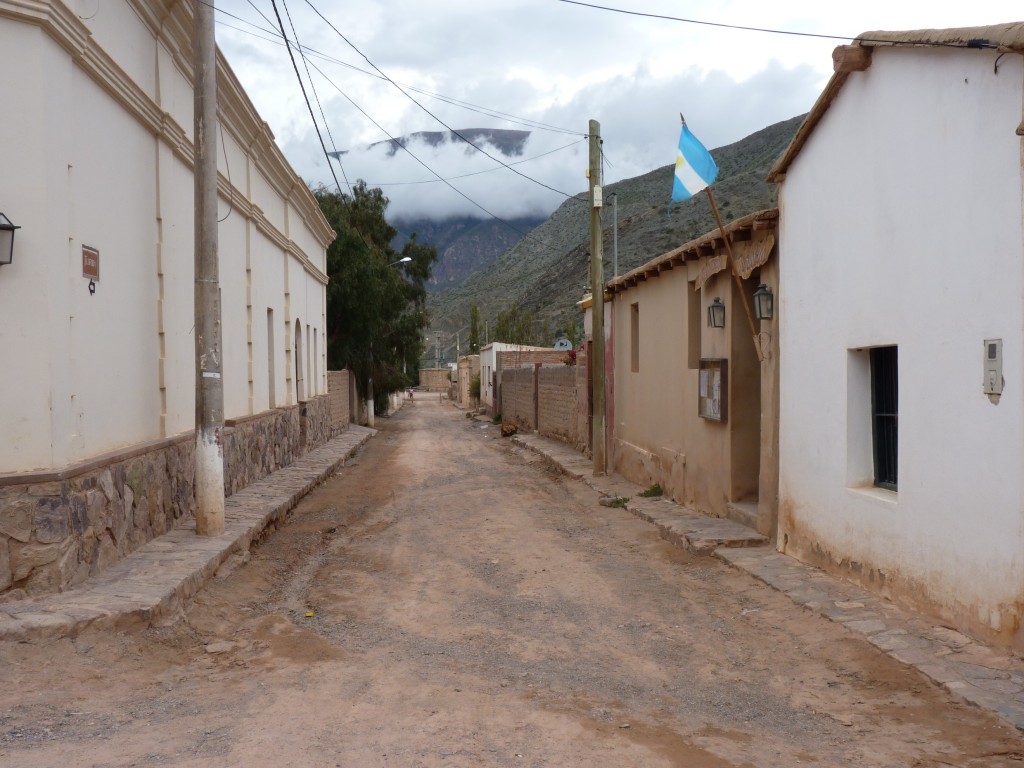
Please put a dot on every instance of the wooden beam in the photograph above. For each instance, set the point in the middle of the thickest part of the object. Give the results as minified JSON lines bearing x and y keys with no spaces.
{"x":851,"y":58}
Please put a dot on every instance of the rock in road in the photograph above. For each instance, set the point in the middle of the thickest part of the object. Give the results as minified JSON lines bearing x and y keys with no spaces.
{"x":447,"y":600}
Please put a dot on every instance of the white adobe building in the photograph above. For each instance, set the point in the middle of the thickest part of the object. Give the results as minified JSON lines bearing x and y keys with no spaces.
{"x":97,"y":305}
{"x":902,"y":325}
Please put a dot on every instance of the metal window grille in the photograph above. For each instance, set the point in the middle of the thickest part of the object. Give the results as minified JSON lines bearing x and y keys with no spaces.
{"x":885,"y":414}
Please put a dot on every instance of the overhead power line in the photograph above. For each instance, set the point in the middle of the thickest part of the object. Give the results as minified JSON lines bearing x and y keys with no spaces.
{"x":438,"y":119}
{"x":968,"y":44}
{"x":277,"y":39}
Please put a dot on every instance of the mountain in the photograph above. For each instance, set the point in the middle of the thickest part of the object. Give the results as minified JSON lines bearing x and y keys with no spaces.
{"x":547,"y":271}
{"x":464,"y":245}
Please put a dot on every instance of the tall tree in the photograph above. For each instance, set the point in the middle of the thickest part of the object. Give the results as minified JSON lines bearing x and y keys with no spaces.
{"x":474,"y":329}
{"x":376,"y":308}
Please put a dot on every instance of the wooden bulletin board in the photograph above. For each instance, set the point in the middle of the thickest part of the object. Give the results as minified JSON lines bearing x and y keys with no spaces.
{"x":713,"y":389}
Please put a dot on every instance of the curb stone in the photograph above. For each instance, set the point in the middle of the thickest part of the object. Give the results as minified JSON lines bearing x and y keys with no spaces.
{"x":156,"y":579}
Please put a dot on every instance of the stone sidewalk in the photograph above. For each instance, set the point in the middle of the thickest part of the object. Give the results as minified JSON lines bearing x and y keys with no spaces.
{"x":155,"y":580}
{"x":979,"y":675}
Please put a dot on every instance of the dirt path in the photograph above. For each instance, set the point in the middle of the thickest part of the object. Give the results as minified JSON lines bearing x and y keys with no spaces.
{"x":470,"y":609}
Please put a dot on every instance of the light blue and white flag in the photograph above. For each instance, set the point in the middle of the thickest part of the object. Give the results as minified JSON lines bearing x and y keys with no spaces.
{"x":695,"y":168}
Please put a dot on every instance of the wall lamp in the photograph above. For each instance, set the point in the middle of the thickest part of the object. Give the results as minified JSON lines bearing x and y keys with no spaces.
{"x":716,"y":314}
{"x":764,"y":303}
{"x":6,"y":240}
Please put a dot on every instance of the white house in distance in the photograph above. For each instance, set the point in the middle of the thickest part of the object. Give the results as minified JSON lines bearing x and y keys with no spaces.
{"x":901,"y":317}
{"x":96,"y":308}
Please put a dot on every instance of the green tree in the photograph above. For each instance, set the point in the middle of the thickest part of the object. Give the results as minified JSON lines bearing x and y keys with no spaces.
{"x":376,"y":309}
{"x":474,"y":329}
{"x":515,"y":327}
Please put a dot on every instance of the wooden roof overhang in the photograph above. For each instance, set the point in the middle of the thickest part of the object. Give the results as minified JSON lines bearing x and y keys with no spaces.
{"x":708,"y":244}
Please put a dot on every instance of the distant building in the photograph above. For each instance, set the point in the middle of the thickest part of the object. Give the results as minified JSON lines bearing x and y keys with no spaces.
{"x":97,"y":327}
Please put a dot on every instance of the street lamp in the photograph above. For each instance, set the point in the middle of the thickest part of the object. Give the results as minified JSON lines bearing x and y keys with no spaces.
{"x":764,"y":303}
{"x":6,"y":240}
{"x":716,"y":314}
{"x":403,"y":260}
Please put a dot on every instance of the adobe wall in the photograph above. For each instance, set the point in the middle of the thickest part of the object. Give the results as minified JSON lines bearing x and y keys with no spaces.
{"x":556,"y":388}
{"x":517,"y":397}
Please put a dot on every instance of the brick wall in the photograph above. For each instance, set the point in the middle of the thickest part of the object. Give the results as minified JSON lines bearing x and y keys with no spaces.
{"x":517,"y":397}
{"x":435,"y":379}
{"x":338,"y":383}
{"x":556,"y":395}
{"x":518,"y":358}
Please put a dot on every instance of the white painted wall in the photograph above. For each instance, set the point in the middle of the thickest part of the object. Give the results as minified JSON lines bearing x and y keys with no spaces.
{"x":100,"y":155}
{"x":902,"y":224}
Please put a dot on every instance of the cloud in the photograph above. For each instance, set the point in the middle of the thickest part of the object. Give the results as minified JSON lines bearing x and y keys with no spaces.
{"x":639,"y":116}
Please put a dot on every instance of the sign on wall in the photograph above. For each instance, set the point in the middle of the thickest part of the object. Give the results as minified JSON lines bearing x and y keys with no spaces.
{"x":713,"y":389}
{"x":90,"y":263}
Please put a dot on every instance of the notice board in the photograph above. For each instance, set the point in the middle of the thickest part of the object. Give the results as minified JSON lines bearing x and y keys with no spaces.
{"x":713,"y":389}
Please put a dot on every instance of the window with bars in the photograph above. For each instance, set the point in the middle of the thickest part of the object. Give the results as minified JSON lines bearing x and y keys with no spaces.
{"x":885,"y":414}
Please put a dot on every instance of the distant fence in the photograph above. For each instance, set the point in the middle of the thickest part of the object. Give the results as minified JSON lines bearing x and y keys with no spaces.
{"x":551,"y":399}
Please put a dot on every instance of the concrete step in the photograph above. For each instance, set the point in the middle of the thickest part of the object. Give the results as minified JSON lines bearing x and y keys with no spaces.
{"x":744,"y":513}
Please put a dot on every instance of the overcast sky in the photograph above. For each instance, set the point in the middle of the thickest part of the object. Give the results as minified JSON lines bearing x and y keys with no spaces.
{"x":542,"y":61}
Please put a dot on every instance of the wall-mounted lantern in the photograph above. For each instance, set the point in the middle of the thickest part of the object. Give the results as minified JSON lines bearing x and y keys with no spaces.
{"x":6,"y":240}
{"x":764,"y":303}
{"x":716,"y":314}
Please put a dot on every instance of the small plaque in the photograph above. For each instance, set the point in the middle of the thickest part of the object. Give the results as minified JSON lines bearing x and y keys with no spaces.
{"x":90,"y":263}
{"x":713,"y":397}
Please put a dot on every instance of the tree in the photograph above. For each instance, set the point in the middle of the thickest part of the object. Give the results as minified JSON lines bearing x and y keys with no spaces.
{"x":376,"y":309}
{"x":514,"y":327}
{"x":474,"y":329}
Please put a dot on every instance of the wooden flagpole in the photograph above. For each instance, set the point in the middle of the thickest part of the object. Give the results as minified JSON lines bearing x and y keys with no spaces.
{"x":732,"y":265}
{"x":736,"y":277}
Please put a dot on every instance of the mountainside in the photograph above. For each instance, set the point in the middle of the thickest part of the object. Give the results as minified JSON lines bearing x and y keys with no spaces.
{"x":547,"y":271}
{"x":464,"y":245}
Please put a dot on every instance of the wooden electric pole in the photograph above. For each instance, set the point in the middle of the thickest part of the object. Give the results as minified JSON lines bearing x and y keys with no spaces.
{"x":209,"y":455}
{"x":597,"y":297}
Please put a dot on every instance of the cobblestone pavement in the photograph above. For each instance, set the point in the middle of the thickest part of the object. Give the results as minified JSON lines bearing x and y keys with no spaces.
{"x":980,"y":675}
{"x":154,"y":580}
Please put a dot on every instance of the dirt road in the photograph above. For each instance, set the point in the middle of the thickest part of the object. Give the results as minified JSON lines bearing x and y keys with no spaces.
{"x":446,"y":601}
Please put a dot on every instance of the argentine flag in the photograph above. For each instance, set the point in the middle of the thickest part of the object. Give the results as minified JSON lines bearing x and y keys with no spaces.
{"x":695,"y":169}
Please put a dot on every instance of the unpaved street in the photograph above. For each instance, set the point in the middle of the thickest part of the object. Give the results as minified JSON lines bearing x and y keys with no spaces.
{"x":471,"y":608}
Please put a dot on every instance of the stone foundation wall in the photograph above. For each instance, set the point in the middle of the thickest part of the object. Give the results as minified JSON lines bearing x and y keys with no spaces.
{"x":58,"y":528}
{"x":318,"y":422}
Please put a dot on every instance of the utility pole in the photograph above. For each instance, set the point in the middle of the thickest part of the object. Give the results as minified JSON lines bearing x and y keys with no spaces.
{"x":615,"y":234}
{"x":209,"y":455}
{"x":597,"y":295}
{"x":437,"y":349}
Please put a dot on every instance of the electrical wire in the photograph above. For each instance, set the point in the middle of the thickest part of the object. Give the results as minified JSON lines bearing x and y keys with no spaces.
{"x":291,"y":56}
{"x":277,"y":39}
{"x":438,"y":119}
{"x":417,"y":159}
{"x":968,"y":44}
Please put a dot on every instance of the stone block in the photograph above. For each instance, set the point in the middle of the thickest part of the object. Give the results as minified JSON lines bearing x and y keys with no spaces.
{"x":27,"y":557}
{"x":50,"y":523}
{"x":46,"y":489}
{"x":6,"y":578}
{"x":96,"y":509}
{"x":78,"y":515}
{"x":16,"y":517}
{"x":106,"y":482}
{"x":135,"y":476}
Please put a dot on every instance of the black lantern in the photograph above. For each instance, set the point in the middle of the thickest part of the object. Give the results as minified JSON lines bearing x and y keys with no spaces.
{"x":764,"y":303}
{"x":716,"y":314}
{"x":6,"y":240}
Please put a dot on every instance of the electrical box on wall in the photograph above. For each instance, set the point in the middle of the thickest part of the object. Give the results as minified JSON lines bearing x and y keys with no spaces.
{"x":993,"y":367}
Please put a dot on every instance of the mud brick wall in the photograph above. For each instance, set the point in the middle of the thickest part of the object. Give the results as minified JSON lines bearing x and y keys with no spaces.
{"x":528,"y":357}
{"x":582,"y":404}
{"x":556,"y":393}
{"x":58,"y":528}
{"x":435,"y":379}
{"x":338,"y":383}
{"x":517,"y":397}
